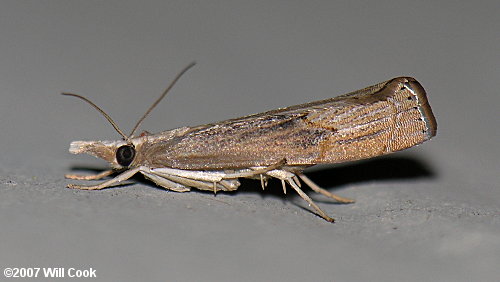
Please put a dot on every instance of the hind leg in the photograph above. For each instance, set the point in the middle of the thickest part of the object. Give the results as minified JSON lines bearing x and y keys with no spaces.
{"x":320,"y":190}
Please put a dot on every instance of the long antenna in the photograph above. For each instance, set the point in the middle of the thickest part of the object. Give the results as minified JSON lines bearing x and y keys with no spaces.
{"x":102,"y":112}
{"x":159,"y":99}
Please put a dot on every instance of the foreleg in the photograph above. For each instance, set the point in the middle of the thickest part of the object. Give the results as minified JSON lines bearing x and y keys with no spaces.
{"x":90,"y":177}
{"x":121,"y":177}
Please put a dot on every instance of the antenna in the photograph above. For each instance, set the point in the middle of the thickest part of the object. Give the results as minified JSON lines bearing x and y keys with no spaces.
{"x":115,"y":126}
{"x":161,"y":97}
{"x":102,"y":112}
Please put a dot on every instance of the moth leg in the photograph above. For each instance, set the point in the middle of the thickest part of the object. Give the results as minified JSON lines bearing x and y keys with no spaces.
{"x":254,"y":171}
{"x":90,"y":177}
{"x":230,"y":184}
{"x":283,"y":184}
{"x":263,"y":181}
{"x":212,"y":176}
{"x":309,"y":201}
{"x":181,"y":184}
{"x":297,"y":181}
{"x":208,"y":184}
{"x":318,"y":189}
{"x":121,"y":177}
{"x":202,"y":180}
{"x":165,"y":183}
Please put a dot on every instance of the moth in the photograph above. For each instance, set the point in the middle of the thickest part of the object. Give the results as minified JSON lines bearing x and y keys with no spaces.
{"x":387,"y":117}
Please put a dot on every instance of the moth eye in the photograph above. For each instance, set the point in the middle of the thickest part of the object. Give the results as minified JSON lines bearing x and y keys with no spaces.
{"x":125,"y":155}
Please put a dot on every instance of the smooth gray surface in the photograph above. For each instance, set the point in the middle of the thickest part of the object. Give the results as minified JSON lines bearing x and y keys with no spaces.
{"x":430,"y":213}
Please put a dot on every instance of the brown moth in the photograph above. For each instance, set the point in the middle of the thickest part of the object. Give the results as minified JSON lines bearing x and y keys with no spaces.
{"x":384,"y":118}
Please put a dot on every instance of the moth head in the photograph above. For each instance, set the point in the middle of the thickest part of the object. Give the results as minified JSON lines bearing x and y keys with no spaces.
{"x":119,"y":154}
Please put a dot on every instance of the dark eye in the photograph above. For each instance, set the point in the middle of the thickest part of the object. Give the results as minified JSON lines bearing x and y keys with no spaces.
{"x":125,"y":155}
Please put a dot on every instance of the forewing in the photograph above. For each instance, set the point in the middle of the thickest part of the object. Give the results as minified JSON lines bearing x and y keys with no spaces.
{"x":380,"y":119}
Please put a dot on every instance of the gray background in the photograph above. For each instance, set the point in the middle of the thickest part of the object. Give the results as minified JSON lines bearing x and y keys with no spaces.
{"x":428,"y":213}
